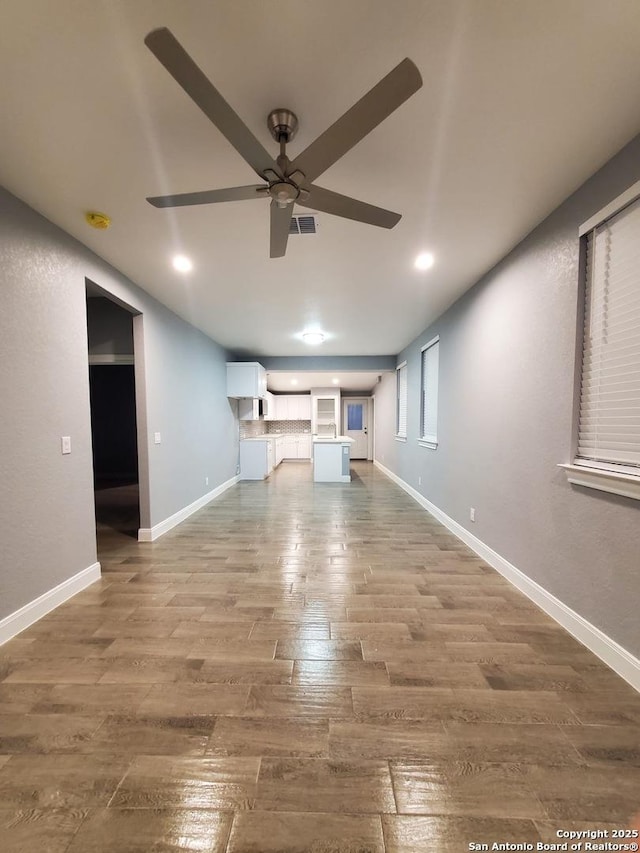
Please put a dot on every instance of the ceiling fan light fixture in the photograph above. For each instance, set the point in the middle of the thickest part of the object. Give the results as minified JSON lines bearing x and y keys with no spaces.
{"x":313,"y":338}
{"x":424,"y":261}
{"x":284,"y":193}
{"x":182,"y":263}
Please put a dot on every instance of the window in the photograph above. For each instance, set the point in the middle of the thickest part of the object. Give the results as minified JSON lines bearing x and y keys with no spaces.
{"x":608,"y":441}
{"x":401,"y":400}
{"x":429,"y":394}
{"x":354,"y":416}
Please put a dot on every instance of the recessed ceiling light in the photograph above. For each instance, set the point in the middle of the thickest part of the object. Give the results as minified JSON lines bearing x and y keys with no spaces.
{"x":294,"y":381}
{"x":182,"y":263}
{"x":313,"y":338}
{"x":336,"y":381}
{"x":424,"y":261}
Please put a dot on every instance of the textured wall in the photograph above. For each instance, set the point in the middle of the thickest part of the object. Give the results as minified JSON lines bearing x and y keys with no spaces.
{"x":47,"y":524}
{"x":506,"y":394}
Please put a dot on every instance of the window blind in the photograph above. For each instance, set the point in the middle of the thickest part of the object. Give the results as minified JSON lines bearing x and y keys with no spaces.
{"x":609,"y":429}
{"x":401,"y":384}
{"x":429,"y":419}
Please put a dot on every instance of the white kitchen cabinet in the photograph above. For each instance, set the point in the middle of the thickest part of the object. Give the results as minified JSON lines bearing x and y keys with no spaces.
{"x":300,"y":407}
{"x":292,"y":407}
{"x":296,"y":446}
{"x":325,"y":410}
{"x":269,"y":407}
{"x":246,"y":379}
{"x":255,"y":463}
{"x":281,"y":407}
{"x":289,"y":447}
{"x":304,"y":447}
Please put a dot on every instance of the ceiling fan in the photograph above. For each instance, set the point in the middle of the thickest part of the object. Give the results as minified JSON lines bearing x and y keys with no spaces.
{"x":286,"y":181}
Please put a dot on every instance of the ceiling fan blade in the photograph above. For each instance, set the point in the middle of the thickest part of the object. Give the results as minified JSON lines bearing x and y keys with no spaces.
{"x":280,"y":220}
{"x":392,"y":91}
{"x":168,"y":50}
{"x":208,"y":196}
{"x":350,"y":208}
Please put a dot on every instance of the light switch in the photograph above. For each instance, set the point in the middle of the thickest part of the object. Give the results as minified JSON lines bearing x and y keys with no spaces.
{"x":157,"y":438}
{"x":66,"y":444}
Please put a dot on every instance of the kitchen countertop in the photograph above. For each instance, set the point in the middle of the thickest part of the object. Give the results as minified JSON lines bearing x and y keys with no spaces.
{"x":339,"y":439}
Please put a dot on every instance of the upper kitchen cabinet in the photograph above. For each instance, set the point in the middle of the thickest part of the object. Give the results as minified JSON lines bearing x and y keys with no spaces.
{"x":292,"y":407}
{"x":246,"y":379}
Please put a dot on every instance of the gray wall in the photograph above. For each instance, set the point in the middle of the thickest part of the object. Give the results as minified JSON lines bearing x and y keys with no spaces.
{"x":47,"y":524}
{"x":506,"y":398}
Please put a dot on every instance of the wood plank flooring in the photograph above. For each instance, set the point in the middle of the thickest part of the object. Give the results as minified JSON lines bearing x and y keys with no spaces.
{"x":305,"y":667}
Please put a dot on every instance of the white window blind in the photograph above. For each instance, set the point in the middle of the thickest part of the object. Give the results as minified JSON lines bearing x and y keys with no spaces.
{"x":429,"y":402}
{"x":401,"y":411}
{"x":609,"y":430}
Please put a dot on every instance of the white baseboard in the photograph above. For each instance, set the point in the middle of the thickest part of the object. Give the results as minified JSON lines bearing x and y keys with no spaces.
{"x":614,"y":655}
{"x":39,"y":607}
{"x":150,"y":534}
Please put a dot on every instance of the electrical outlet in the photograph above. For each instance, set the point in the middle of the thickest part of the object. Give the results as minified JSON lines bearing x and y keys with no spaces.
{"x":206,"y":481}
{"x":472,"y":513}
{"x":419,"y":481}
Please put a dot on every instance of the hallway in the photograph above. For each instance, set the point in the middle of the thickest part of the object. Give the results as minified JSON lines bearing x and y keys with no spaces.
{"x":305,"y":667}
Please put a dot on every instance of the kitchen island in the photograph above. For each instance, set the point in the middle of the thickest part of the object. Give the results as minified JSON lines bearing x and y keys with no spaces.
{"x":331,"y":458}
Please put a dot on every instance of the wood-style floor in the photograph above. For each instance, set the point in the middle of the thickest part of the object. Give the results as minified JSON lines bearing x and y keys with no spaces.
{"x":307,"y":667}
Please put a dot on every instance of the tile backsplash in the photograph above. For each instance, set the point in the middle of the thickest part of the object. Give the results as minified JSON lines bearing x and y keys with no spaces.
{"x":252,"y":429}
{"x":288,"y":427}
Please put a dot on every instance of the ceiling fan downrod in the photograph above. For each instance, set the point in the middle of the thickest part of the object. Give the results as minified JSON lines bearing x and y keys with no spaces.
{"x":283,"y":124}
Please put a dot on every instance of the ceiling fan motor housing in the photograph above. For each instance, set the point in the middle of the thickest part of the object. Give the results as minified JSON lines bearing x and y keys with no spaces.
{"x":282,"y":124}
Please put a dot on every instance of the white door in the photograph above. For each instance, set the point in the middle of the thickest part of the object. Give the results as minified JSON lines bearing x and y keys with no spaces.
{"x":354,"y":418}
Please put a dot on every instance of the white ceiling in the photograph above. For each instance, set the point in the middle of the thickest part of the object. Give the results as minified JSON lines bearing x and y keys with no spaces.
{"x":285,"y":382}
{"x":521,"y":102}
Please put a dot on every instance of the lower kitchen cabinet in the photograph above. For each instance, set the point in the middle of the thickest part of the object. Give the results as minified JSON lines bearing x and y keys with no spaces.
{"x":256,"y":459}
{"x":259,"y":456}
{"x":296,"y":447}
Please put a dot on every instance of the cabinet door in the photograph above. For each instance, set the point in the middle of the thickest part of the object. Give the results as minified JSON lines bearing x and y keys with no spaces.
{"x":246,"y":379}
{"x":268,"y":406}
{"x":304,"y":447}
{"x":326,"y":409}
{"x":289,"y":448}
{"x":281,"y":408}
{"x":304,"y":407}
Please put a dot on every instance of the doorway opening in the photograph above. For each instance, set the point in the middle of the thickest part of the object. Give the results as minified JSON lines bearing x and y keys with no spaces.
{"x":112,"y":389}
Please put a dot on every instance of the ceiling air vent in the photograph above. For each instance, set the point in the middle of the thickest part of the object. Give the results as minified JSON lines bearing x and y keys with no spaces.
{"x":303,"y":224}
